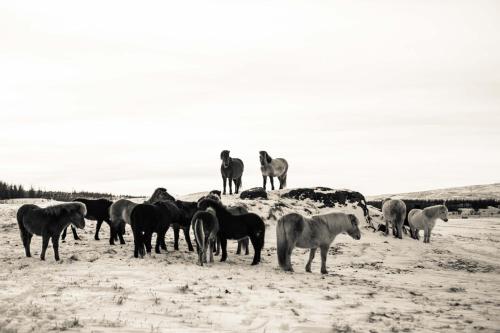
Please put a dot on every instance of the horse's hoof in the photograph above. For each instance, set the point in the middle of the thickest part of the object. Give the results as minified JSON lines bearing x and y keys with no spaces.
{"x":124,"y":243}
{"x":324,"y":272}
{"x":96,"y":238}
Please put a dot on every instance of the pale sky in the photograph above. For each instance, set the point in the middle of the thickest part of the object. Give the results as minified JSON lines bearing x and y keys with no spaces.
{"x":375,"y":96}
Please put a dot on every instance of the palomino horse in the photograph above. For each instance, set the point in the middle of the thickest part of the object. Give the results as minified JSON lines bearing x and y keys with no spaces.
{"x":426,"y":219}
{"x":394,"y":211}
{"x":232,"y":169}
{"x":273,"y":167}
{"x":49,"y":223}
{"x":295,"y":230}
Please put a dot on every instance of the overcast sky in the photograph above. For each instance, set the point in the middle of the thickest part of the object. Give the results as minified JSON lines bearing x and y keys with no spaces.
{"x":375,"y":96}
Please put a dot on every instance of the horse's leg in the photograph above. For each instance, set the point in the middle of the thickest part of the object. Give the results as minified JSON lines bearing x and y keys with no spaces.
{"x":264,"y":182}
{"x":158,"y":242}
{"x":238,"y":251}
{"x":417,"y":234}
{"x":55,"y":246}
{"x":75,"y":235}
{"x":97,"y":228}
{"x":230,"y":186}
{"x":112,"y":235}
{"x":257,"y":246}
{"x":324,"y":252}
{"x":45,"y":244}
{"x":147,"y":241}
{"x":188,"y":238}
{"x":63,"y":236}
{"x":271,"y":180}
{"x":386,"y":226}
{"x":217,"y":246}
{"x":26,"y":238}
{"x":426,"y":235}
{"x":224,"y":185}
{"x":400,"y":231}
{"x":163,"y":244}
{"x":245,"y":245}
{"x":176,"y":237}
{"x":223,"y":245}
{"x":205,"y":249}
{"x":210,"y":250}
{"x":120,"y":235}
{"x":311,"y":257}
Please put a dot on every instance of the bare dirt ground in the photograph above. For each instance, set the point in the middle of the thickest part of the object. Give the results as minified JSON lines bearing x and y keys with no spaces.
{"x":377,"y":284}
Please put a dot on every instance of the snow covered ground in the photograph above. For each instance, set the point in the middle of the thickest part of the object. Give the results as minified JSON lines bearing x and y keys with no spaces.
{"x":376,"y":284}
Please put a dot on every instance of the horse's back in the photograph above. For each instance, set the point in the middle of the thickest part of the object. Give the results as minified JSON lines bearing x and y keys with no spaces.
{"x":394,"y":209}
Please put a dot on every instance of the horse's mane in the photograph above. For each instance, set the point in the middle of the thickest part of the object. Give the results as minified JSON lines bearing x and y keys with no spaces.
{"x":209,"y":202}
{"x":70,"y":207}
{"x":268,"y":158}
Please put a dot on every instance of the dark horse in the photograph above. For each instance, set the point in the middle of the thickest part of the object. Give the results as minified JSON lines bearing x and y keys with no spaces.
{"x":232,"y":169}
{"x":147,"y":219}
{"x":237,"y":227}
{"x":187,"y":211}
{"x":49,"y":223}
{"x":98,"y":210}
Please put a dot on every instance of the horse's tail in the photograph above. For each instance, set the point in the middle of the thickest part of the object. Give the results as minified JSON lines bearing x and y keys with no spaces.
{"x":281,"y":242}
{"x":199,"y":235}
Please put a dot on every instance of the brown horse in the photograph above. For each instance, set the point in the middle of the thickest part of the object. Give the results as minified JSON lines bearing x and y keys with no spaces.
{"x":232,"y":169}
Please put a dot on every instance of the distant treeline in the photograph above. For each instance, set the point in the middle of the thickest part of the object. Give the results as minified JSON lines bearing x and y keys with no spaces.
{"x":9,"y":191}
{"x":453,"y":204}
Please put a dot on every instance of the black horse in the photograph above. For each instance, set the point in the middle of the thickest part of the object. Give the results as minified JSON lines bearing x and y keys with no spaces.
{"x":232,"y":169}
{"x":237,"y":227}
{"x":147,"y":219}
{"x":98,"y":210}
{"x":49,"y":223}
{"x":187,"y":211}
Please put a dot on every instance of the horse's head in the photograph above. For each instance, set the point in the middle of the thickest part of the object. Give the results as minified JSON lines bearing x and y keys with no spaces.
{"x":77,"y":216}
{"x":264,"y":157}
{"x":215,"y":193}
{"x":161,"y":194}
{"x":224,"y":156}
{"x":443,"y":213}
{"x":353,"y":229}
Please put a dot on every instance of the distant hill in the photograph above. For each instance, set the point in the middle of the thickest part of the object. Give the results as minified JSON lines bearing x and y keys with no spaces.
{"x":473,"y":192}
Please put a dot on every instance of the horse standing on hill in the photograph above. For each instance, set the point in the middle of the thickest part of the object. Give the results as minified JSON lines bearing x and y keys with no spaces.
{"x":426,"y":220}
{"x":237,"y":227}
{"x":98,"y":210}
{"x":49,"y":223}
{"x":273,"y":167}
{"x":394,"y":211}
{"x":295,"y":230}
{"x":232,"y":169}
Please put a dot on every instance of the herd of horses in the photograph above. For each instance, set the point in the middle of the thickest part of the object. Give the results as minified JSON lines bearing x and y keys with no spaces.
{"x":213,"y":223}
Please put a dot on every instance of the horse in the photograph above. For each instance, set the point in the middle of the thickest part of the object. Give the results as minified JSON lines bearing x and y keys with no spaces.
{"x":237,"y":227}
{"x":273,"y":167}
{"x":426,"y":219}
{"x":205,"y":229}
{"x":120,"y":210}
{"x":147,"y":219}
{"x":295,"y":230}
{"x":49,"y":223}
{"x":187,"y":211}
{"x":394,"y":211}
{"x":97,"y":210}
{"x":232,"y":169}
{"x":235,"y":210}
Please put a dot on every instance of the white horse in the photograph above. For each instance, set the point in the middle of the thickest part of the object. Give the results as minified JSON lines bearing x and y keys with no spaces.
{"x":310,"y":233}
{"x":273,"y":167}
{"x":426,"y":219}
{"x":394,"y":211}
{"x":120,"y":210}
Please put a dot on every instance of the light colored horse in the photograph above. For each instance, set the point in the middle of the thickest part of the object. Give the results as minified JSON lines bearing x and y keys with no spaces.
{"x":120,"y":210}
{"x":295,"y":230}
{"x":426,"y":219}
{"x":273,"y":167}
{"x":394,"y":211}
